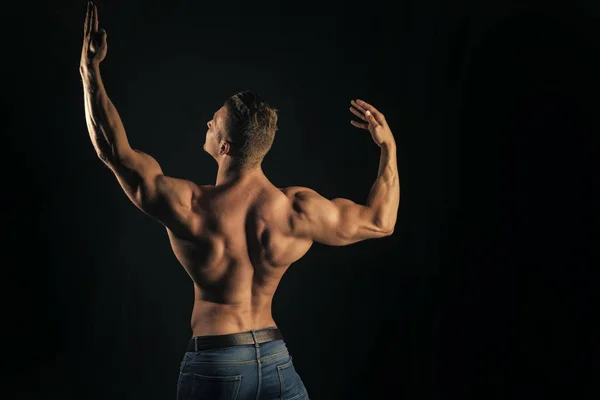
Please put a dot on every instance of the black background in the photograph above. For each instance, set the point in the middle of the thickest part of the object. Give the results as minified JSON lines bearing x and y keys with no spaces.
{"x":485,"y":290}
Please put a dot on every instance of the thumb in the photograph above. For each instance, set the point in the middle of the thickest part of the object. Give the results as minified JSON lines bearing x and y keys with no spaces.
{"x":371,"y":118}
{"x":102,"y":35}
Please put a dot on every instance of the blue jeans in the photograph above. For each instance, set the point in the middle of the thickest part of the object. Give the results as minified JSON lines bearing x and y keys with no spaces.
{"x":260,"y":371}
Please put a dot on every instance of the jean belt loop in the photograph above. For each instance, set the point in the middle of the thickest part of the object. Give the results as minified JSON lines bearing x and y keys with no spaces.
{"x":196,"y":344}
{"x":254,"y":337}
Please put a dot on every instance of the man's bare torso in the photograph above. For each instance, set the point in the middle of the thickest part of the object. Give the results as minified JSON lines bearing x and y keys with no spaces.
{"x":236,"y":246}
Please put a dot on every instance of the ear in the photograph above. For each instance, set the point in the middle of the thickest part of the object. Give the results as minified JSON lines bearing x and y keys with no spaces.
{"x":225,"y":147}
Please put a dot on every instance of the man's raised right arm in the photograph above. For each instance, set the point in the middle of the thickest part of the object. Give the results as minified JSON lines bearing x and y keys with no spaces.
{"x":340,"y":222}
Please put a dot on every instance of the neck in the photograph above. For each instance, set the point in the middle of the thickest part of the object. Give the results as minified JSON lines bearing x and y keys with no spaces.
{"x":229,"y":173}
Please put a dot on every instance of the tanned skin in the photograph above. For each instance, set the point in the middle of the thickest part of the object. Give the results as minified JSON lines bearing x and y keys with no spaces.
{"x":238,"y":237}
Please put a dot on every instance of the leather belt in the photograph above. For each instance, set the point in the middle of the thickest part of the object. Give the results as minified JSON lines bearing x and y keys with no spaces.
{"x":198,"y":343}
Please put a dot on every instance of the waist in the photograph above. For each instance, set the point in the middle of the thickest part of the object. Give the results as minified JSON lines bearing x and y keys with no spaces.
{"x":252,"y":337}
{"x":219,"y":319}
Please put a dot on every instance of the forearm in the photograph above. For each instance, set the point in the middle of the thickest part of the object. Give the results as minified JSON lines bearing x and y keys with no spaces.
{"x":104,"y":124}
{"x":384,"y":197}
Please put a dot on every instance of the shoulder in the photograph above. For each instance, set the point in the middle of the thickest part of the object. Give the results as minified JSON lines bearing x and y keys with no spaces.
{"x":297,"y":192}
{"x":302,"y":198}
{"x":199,"y":191}
{"x":182,"y":188}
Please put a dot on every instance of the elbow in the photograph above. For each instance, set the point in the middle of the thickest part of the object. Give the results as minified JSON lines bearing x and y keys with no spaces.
{"x":106,"y":159}
{"x":381,"y":231}
{"x":109,"y":156}
{"x":385,"y":229}
{"x":103,"y":157}
{"x":386,"y":225}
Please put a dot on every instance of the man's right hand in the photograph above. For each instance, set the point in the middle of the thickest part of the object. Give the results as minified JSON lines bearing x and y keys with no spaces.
{"x":94,"y":40}
{"x":375,"y":122}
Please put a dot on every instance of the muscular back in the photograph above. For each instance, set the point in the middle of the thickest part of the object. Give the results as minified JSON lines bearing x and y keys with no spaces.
{"x":236,"y":244}
{"x":239,"y":241}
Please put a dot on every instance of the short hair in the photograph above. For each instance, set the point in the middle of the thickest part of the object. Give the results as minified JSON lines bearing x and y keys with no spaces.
{"x":250,"y":125}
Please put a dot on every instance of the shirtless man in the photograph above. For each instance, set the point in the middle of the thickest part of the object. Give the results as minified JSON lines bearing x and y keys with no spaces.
{"x":238,"y":237}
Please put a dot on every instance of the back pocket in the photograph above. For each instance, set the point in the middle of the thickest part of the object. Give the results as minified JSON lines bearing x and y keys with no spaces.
{"x":216,"y":387}
{"x":292,"y":387}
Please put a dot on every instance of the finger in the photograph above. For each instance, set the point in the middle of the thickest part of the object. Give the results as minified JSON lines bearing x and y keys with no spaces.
{"x":95,"y":27}
{"x":376,"y":113}
{"x":86,"y":24}
{"x":360,"y":125}
{"x":357,"y":113}
{"x":355,"y":104}
{"x":371,"y":119}
{"x":366,"y":106}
